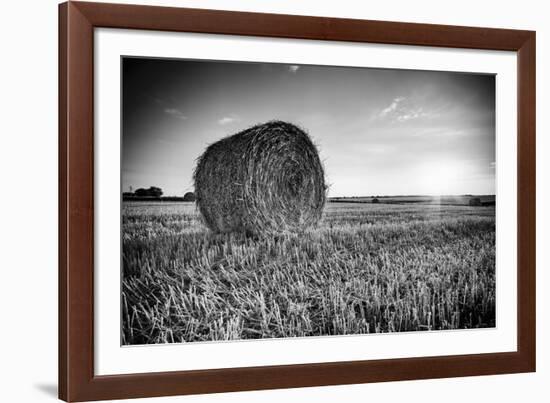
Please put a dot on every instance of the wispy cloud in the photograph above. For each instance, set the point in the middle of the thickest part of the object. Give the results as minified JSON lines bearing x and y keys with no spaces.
{"x":402,"y":109}
{"x":412,"y":114}
{"x":176,"y":113}
{"x":293,"y":68}
{"x":392,"y":107}
{"x":228,"y":119}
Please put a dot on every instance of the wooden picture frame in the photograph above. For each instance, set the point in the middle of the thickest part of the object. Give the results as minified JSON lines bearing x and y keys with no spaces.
{"x":77,"y":21}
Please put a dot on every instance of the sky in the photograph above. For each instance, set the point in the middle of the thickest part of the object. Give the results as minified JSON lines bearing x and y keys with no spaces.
{"x":378,"y":131}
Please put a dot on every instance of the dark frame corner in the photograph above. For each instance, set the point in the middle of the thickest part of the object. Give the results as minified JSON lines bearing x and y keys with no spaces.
{"x":77,"y":21}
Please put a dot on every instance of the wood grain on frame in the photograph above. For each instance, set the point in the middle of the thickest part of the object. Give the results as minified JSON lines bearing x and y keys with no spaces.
{"x":77,"y":381}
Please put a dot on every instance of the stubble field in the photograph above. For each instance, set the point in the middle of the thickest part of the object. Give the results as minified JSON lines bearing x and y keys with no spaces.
{"x":368,"y":268}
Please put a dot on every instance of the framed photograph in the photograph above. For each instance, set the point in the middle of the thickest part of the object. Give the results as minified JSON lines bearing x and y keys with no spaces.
{"x":258,"y":201}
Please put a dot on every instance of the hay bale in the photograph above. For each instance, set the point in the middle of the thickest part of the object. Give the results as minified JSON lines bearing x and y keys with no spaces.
{"x":267,"y":179}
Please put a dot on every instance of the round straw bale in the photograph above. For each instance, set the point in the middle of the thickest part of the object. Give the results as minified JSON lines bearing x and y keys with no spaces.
{"x":267,"y":179}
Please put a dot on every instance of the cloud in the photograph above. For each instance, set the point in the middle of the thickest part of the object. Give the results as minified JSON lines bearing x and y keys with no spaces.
{"x":293,"y":68}
{"x":402,"y":109}
{"x":228,"y":119}
{"x":392,"y":107}
{"x":412,"y":114}
{"x":175,"y":113}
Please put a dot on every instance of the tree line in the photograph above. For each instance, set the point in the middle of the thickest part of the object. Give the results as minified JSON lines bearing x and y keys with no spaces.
{"x":156,"y":194}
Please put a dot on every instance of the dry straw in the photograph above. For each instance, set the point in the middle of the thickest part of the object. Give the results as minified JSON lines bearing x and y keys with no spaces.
{"x":267,"y":179}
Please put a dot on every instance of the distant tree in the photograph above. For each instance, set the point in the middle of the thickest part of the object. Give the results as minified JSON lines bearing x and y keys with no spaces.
{"x":475,"y":201}
{"x":375,"y":200}
{"x":189,"y":197}
{"x":153,"y":191}
{"x":141,"y":192}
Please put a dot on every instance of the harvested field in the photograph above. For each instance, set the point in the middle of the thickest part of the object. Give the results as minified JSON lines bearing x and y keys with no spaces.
{"x":368,"y":268}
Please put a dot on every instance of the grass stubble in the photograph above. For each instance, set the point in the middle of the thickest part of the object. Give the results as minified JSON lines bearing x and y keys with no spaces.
{"x":366,"y":269}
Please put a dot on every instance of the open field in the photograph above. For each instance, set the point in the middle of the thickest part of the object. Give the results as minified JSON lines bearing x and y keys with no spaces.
{"x":368,"y":268}
{"x":438,"y":200}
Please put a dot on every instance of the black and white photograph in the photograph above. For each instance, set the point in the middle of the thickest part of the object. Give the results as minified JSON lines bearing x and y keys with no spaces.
{"x":264,"y":200}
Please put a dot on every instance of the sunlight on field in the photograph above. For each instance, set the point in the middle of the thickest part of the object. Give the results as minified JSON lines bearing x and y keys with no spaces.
{"x":368,"y":268}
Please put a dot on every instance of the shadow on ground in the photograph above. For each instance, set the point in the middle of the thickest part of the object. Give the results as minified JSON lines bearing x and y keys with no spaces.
{"x":49,"y":389}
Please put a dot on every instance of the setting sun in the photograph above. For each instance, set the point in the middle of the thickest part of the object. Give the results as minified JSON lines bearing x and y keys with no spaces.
{"x":442,"y":177}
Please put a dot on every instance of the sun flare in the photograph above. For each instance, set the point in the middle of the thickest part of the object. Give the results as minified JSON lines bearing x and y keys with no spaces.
{"x":441,"y":178}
